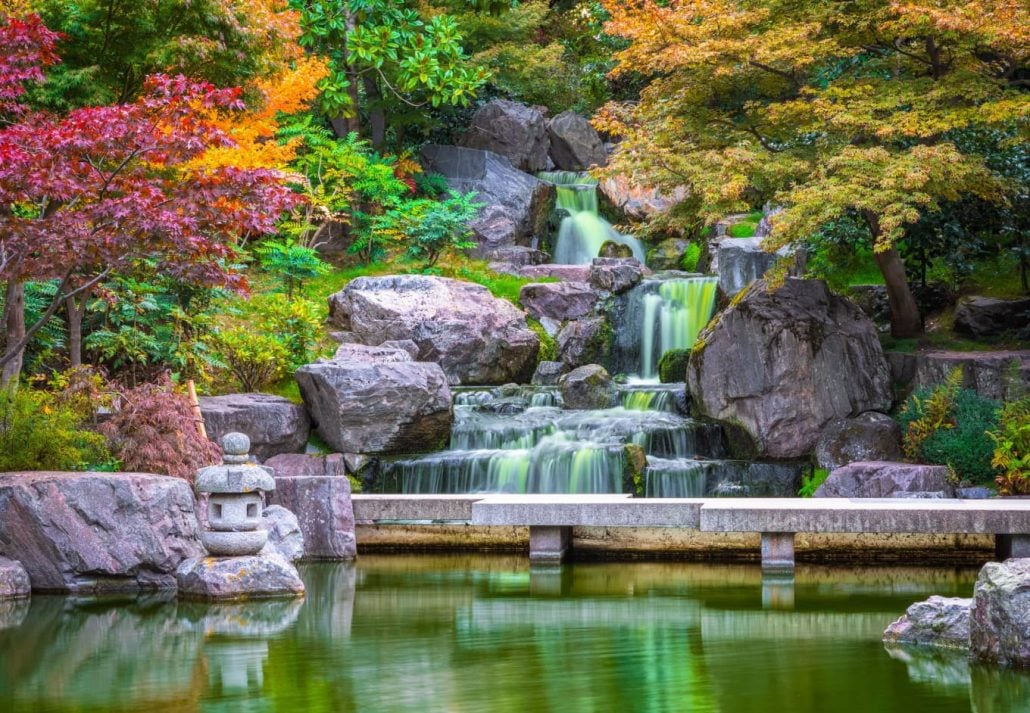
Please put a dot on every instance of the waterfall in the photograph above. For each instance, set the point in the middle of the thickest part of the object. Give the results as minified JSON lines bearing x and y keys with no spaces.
{"x":584,"y":231}
{"x":673,"y":317}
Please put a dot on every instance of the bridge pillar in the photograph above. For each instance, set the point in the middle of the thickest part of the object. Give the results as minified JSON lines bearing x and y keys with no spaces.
{"x":777,"y":552}
{"x":1008,"y":546}
{"x":549,"y":544}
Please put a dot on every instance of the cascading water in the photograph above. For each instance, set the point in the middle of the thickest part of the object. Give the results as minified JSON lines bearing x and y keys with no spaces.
{"x":584,"y":231}
{"x":673,"y":317}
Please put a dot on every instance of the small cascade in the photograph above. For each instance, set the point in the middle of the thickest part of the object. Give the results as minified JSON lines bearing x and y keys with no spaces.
{"x":650,"y":397}
{"x":584,"y":231}
{"x":673,"y":317}
{"x":692,"y":478}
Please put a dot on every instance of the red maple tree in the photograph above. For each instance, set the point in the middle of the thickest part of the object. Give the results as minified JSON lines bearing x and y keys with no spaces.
{"x":103,"y":189}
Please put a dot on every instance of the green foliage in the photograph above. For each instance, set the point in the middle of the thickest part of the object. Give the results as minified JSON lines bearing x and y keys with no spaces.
{"x":37,"y":432}
{"x":672,"y":367}
{"x":811,"y":483}
{"x":296,"y":323}
{"x":109,"y":47}
{"x":1011,"y":439}
{"x":949,"y":426}
{"x":402,"y":58}
{"x":548,"y":345}
{"x":291,"y":262}
{"x":745,"y":228}
{"x":255,"y":359}
{"x":500,"y":284}
{"x":431,"y":227}
{"x":689,"y":260}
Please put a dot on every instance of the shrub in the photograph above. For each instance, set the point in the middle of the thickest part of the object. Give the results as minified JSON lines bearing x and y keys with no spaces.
{"x":292,"y":262}
{"x":296,"y":323}
{"x":1012,"y":448}
{"x":949,"y":426}
{"x":254,"y":358}
{"x":37,"y":432}
{"x":811,"y":483}
{"x":430,"y":226}
{"x":154,"y":430}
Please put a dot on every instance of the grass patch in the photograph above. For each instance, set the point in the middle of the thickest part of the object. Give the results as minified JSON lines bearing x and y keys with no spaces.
{"x":998,"y":278}
{"x":743,"y":229}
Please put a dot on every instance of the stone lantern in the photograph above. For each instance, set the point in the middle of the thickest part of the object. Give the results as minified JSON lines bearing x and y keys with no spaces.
{"x":235,"y":502}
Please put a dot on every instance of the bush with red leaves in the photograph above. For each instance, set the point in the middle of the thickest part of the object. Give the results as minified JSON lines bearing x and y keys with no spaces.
{"x":155,"y":431}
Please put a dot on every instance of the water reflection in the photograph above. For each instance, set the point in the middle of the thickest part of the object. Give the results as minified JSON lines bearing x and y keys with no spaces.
{"x":492,"y":634}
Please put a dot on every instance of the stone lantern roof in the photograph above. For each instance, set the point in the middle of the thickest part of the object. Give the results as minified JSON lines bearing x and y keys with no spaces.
{"x":236,"y":474}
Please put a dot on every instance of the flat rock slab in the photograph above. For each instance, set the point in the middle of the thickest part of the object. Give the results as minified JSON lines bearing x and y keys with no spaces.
{"x":866,"y":515}
{"x":586,"y":510}
{"x":98,"y":532}
{"x":372,"y":508}
{"x":14,"y":580}
{"x":253,"y":577}
{"x":275,"y":425}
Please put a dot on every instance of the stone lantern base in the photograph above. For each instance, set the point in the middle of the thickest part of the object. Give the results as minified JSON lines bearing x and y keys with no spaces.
{"x":228,"y":578}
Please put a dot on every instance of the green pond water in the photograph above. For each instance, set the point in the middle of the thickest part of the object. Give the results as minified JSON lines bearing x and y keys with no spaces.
{"x":471,"y":633}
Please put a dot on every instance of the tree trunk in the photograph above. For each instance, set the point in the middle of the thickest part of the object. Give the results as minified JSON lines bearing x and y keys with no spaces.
{"x":14,"y":324}
{"x":76,"y":309}
{"x":376,"y":117}
{"x":905,"y":319}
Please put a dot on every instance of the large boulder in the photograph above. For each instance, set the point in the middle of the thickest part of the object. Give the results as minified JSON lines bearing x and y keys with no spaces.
{"x":515,"y":131}
{"x":475,"y":337}
{"x":97,"y":532}
{"x":324,"y":512}
{"x":367,"y":406}
{"x":999,"y":630}
{"x":784,"y":362}
{"x":14,"y":580}
{"x":939,"y":621}
{"x":584,"y":341}
{"x":558,"y":300}
{"x":275,"y":425}
{"x":516,"y":208}
{"x":575,"y":145}
{"x":587,"y":387}
{"x":879,"y":479}
{"x":981,"y":317}
{"x":870,"y":436}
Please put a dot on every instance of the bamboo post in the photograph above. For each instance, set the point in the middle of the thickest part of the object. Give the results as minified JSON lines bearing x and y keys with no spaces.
{"x":196,"y":408}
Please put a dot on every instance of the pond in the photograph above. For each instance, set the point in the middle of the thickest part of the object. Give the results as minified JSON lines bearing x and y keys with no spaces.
{"x":478,"y":633}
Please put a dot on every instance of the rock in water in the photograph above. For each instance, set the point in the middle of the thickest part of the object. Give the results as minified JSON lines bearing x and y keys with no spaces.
{"x":228,"y":578}
{"x":584,"y":341}
{"x":783,"y":363}
{"x":999,"y":629}
{"x":324,"y":512}
{"x":98,"y":532}
{"x":870,"y":436}
{"x":367,"y":404}
{"x":476,"y":337}
{"x":547,"y":373}
{"x":575,"y":145}
{"x":615,"y":275}
{"x":516,"y":208}
{"x":284,"y":534}
{"x":515,"y":131}
{"x":879,"y":479}
{"x":14,"y":580}
{"x":588,"y":387}
{"x":938,"y":621}
{"x":275,"y":425}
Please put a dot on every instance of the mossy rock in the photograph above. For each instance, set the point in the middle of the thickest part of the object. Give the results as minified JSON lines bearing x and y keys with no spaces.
{"x":610,"y":248}
{"x":635,"y":467}
{"x":672,"y":367}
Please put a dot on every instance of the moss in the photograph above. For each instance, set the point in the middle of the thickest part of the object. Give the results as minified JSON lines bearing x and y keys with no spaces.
{"x":672,"y":367}
{"x":809,"y":484}
{"x":548,"y":346}
{"x":635,"y":461}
